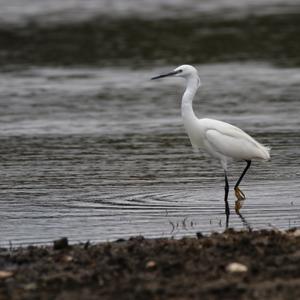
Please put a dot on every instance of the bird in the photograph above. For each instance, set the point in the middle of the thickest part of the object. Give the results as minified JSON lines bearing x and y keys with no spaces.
{"x":219,"y":139}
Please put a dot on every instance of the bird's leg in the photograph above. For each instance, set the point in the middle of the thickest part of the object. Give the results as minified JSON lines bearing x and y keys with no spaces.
{"x":227,"y":210}
{"x":238,"y":193}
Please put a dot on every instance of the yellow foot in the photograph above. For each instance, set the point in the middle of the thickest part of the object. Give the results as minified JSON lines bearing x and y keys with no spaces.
{"x":239,"y":194}
{"x":240,"y":199}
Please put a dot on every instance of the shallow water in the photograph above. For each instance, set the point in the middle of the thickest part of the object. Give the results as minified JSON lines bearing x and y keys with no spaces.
{"x":98,"y":151}
{"x":101,"y":154}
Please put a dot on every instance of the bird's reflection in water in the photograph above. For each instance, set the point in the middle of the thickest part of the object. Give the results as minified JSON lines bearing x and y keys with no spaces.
{"x":238,"y":205}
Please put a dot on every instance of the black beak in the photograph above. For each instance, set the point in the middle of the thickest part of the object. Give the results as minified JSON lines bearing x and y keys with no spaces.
{"x":166,"y":75}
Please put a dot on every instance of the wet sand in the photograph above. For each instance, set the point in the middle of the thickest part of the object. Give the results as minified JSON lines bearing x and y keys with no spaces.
{"x":198,"y":267}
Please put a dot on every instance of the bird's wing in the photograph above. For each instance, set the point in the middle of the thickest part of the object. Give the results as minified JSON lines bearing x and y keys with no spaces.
{"x":233,"y":142}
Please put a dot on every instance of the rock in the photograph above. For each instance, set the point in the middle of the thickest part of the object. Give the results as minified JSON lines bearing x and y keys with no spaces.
{"x":5,"y":274}
{"x":67,"y":258}
{"x":151,"y":264}
{"x":199,"y":235}
{"x":236,"y":267}
{"x":295,"y":233}
{"x":60,"y":244}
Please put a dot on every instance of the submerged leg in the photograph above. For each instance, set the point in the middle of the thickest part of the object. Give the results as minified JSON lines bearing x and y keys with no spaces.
{"x":238,"y":193}
{"x":227,"y":210}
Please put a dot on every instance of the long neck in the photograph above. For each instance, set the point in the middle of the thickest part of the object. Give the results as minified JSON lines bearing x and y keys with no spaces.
{"x":187,"y":100}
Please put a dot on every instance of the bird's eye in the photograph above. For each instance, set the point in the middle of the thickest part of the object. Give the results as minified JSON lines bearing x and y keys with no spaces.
{"x":180,"y":71}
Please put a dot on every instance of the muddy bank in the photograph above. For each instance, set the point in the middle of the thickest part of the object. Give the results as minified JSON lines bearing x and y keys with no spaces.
{"x":268,"y":268}
{"x":104,"y":41}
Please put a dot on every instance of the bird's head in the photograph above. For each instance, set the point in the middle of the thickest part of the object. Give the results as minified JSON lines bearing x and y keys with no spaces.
{"x":185,"y":71}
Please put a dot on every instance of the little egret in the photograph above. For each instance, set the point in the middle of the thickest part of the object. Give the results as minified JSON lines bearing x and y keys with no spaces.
{"x":221,"y":140}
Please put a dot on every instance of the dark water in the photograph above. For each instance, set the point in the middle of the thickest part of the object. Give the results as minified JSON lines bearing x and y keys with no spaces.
{"x":99,"y":153}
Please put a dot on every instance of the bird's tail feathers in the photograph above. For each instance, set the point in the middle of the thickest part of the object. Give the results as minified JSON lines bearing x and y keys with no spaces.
{"x":265,"y":152}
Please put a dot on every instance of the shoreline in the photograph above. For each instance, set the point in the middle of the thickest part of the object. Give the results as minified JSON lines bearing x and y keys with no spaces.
{"x":261,"y":264}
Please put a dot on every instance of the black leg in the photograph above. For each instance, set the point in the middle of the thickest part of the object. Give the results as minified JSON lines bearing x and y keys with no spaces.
{"x":238,"y":193}
{"x":227,"y":210}
{"x":244,"y":172}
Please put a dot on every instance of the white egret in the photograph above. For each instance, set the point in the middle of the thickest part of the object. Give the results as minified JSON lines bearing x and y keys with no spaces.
{"x":221,"y":140}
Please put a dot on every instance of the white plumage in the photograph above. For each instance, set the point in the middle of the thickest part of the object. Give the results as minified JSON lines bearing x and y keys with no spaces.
{"x":221,"y":140}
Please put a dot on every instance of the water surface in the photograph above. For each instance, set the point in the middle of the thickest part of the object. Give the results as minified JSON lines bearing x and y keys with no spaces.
{"x":92,"y":149}
{"x":101,"y":154}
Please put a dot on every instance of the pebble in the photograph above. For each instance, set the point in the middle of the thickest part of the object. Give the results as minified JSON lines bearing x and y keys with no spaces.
{"x":67,"y":258}
{"x":236,"y":268}
{"x":5,"y":274}
{"x":151,"y":264}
